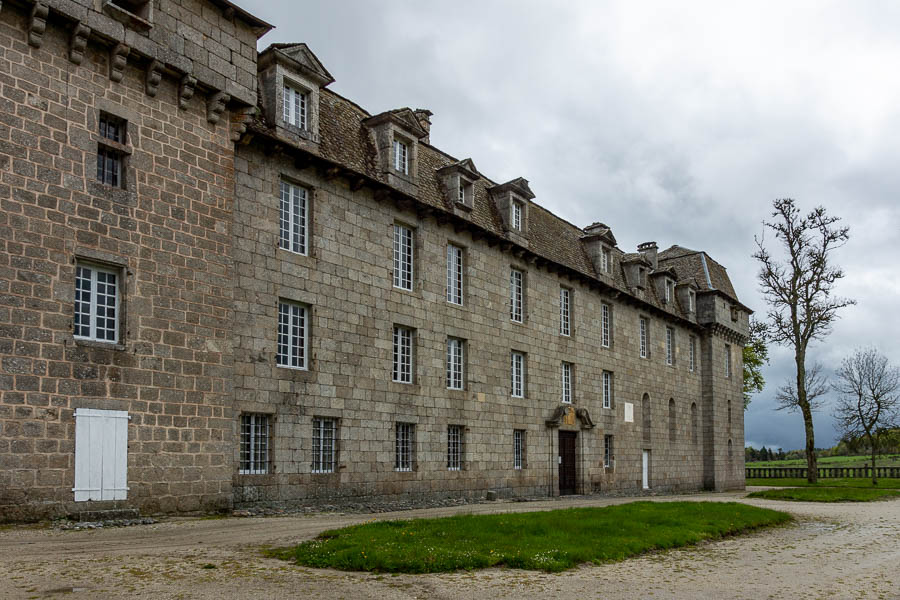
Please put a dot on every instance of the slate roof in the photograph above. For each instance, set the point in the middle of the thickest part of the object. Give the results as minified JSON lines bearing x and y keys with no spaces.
{"x":346,"y":141}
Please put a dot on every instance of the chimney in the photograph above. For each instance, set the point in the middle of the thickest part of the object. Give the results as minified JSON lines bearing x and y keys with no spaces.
{"x":648,"y":250}
{"x":423,"y":116}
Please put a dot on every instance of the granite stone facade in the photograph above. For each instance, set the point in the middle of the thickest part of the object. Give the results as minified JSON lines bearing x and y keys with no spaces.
{"x":208,"y":253}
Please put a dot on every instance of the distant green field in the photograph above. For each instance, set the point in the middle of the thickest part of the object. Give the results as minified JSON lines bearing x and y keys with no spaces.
{"x":826,"y":494}
{"x":854,"y":482}
{"x":887,"y":460}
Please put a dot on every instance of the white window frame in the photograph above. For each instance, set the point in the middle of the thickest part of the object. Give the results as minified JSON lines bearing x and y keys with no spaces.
{"x":727,"y":360}
{"x":518,"y":449}
{"x":400,"y":151}
{"x":565,"y":311}
{"x":515,"y":215}
{"x":292,"y":346}
{"x":324,"y":449}
{"x":604,"y":259}
{"x":294,"y":219}
{"x":91,"y":307}
{"x":517,"y":374}
{"x":692,"y":298}
{"x":670,"y":346}
{"x":455,"y":364}
{"x":402,"y":371}
{"x":454,"y":447}
{"x":465,"y":191}
{"x":296,"y":107}
{"x":454,"y":274}
{"x":644,"y":337}
{"x":607,"y":450}
{"x":255,"y":440}
{"x":566,"y":382}
{"x":404,"y":256}
{"x":605,"y":325}
{"x":404,"y":440}
{"x":607,"y":389}
{"x":692,"y":350}
{"x":516,"y":295}
{"x":670,"y":290}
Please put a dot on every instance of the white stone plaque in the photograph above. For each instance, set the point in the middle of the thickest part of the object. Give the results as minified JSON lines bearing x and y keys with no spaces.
{"x":629,"y":412}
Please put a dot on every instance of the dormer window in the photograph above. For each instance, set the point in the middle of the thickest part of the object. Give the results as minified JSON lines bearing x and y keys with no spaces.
{"x":296,"y":111}
{"x":465,"y":192}
{"x":670,"y":290}
{"x":692,"y":300}
{"x":515,"y":215}
{"x":604,"y":259}
{"x":401,"y":157}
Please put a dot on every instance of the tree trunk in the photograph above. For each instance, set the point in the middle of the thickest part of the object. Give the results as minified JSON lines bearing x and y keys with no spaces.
{"x":872,"y":444}
{"x":812,"y":470}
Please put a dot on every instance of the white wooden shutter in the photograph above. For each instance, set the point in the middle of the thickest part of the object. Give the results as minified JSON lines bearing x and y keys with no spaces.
{"x":101,"y":454}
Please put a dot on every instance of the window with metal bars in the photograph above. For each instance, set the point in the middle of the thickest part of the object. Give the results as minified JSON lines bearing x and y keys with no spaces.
{"x":607,"y":389}
{"x":605,"y":325}
{"x":566,"y":376}
{"x":403,"y":446}
{"x":643,"y":337}
{"x":454,"y":447}
{"x":565,"y":325}
{"x":402,"y":371}
{"x":292,"y":335}
{"x":401,"y":157}
{"x":324,"y":445}
{"x":110,"y":159}
{"x":454,"y":274}
{"x":516,"y":295}
{"x":295,"y":107}
{"x":518,"y":448}
{"x":455,"y":363}
{"x":96,"y":303}
{"x":517,"y":374}
{"x":670,"y":346}
{"x":403,"y":257}
{"x":294,"y":218}
{"x":254,"y":444}
{"x":607,"y":450}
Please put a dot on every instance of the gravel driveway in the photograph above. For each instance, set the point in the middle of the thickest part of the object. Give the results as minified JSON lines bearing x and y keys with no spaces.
{"x":833,"y":551}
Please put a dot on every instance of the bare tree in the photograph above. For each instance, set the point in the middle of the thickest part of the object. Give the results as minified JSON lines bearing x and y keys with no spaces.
{"x":869,"y":401}
{"x":798,"y":291}
{"x":786,"y":398}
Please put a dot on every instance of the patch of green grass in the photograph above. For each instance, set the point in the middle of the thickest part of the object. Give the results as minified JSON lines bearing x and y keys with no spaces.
{"x":549,"y":541}
{"x":882,"y":460}
{"x":851,"y":482}
{"x":826,"y":494}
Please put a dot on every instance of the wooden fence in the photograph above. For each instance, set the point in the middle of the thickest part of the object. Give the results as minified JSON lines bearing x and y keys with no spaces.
{"x":824,"y":472}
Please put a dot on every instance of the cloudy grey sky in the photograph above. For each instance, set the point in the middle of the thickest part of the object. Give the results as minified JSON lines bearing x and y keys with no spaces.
{"x":674,"y":122}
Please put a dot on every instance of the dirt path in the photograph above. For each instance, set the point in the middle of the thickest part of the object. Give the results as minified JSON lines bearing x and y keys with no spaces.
{"x":834,"y":551}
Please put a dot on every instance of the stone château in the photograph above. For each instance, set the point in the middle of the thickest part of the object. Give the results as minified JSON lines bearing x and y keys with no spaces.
{"x":223,"y":284}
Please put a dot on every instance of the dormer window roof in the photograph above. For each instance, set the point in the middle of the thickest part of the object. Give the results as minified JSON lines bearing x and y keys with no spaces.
{"x":512,"y":199}
{"x":459,"y":183}
{"x":397,"y":134}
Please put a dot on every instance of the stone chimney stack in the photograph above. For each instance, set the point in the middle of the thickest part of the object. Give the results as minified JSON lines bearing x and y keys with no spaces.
{"x":648,"y":250}
{"x":423,"y":115}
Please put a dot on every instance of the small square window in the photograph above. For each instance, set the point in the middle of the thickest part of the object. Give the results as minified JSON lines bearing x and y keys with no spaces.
{"x":110,"y":157}
{"x":254,"y":444}
{"x":97,"y":303}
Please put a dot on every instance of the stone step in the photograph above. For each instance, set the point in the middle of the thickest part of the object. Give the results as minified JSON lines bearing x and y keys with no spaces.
{"x":106,"y":515}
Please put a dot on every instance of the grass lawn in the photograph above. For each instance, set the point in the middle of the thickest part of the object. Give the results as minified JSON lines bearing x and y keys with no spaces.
{"x":549,"y":541}
{"x":852,"y":482}
{"x":882,"y":460}
{"x":826,"y":494}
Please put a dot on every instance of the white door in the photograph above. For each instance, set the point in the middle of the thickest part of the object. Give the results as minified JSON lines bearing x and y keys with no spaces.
{"x":645,"y":464}
{"x":101,"y":454}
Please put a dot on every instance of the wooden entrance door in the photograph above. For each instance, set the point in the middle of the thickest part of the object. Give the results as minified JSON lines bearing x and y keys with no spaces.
{"x":567,"y":462}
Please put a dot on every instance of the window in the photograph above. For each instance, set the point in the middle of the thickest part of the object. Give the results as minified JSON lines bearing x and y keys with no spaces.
{"x":607,"y":450}
{"x":254,"y":444}
{"x":604,"y":259}
{"x":403,"y":257}
{"x":454,"y":274}
{"x":403,"y":446}
{"x":727,"y":360}
{"x":691,"y":300}
{"x":403,"y":348}
{"x":644,"y":348}
{"x":515,"y":215}
{"x":455,"y":354}
{"x":96,"y":303}
{"x":138,"y":8}
{"x":401,"y":157}
{"x":670,"y":290}
{"x":692,"y":351}
{"x":465,"y":192}
{"x":671,"y":420}
{"x":605,"y":323}
{"x":292,"y":335}
{"x":516,"y":280}
{"x":565,"y":296}
{"x":566,"y":377}
{"x":670,"y":346}
{"x":295,"y":107}
{"x":695,"y":427}
{"x":294,"y":218}
{"x":454,"y":447}
{"x":607,"y":389}
{"x":323,"y":445}
{"x":517,"y":374}
{"x":109,"y":158}
{"x":518,"y":449}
